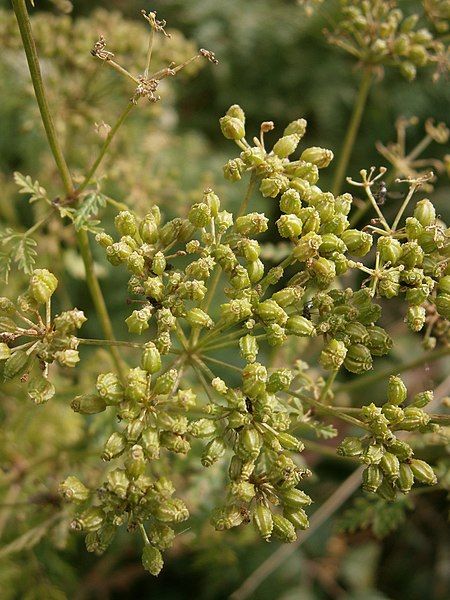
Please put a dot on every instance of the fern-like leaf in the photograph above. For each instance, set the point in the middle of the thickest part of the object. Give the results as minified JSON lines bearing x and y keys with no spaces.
{"x":27,"y":186}
{"x":372,"y":512}
{"x":89,"y":208}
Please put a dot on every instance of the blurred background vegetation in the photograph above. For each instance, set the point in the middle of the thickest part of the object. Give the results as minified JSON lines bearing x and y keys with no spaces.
{"x":276,"y":64}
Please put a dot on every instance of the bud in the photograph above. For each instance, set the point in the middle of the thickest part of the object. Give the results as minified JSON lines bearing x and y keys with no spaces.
{"x":148,"y":229}
{"x":275,"y":335}
{"x":110,"y":388}
{"x":165,"y":382}
{"x":401,"y":449}
{"x":405,"y":478}
{"x":5,"y":351}
{"x":394,"y":414}
{"x":213,"y":452}
{"x":396,"y":390}
{"x":422,"y":399}
{"x":262,"y":518}
{"x":444,"y":284}
{"x":137,"y":322}
{"x":425,"y":212}
{"x":233,"y":169}
{"x":286,"y":145}
{"x":390,"y":249}
{"x":136,"y":385}
{"x":358,"y":242}
{"x":295,"y":498}
{"x":414,"y":418}
{"x":288,"y":295}
{"x":72,"y":490}
{"x":152,"y":560}
{"x":150,"y":443}
{"x":232,"y":128}
{"x":350,"y":446}
{"x":333,"y":355}
{"x":251,"y":224}
{"x":240,"y":278}
{"x":412,"y":255}
{"x":42,"y":285}
{"x":297,"y":517}
{"x":379,"y":342}
{"x":408,"y":70}
{"x":172,"y":510}
{"x":357,"y":333}
{"x":89,"y":520}
{"x":254,"y":378}
{"x":283,"y":529}
{"x":202,"y":428}
{"x":227,"y":517}
{"x":40,"y":389}
{"x":373,"y":454}
{"x":67,"y":358}
{"x":235,"y":311}
{"x":248,"y":346}
{"x":307,"y":247}
{"x":372,"y":478}
{"x":270,"y":312}
{"x":198,"y":318}
{"x":114,"y":446}
{"x":289,"y":226}
{"x":290,"y":202}
{"x":442,"y":302}
{"x":135,"y":462}
{"x":279,"y":381}
{"x":358,"y":359}
{"x":270,"y":187}
{"x":88,"y":404}
{"x":390,"y":465}
{"x":200,"y":215}
{"x":415,"y":317}
{"x":297,"y":127}
{"x":249,"y":444}
{"x":422,"y":471}
{"x":151,"y":358}
{"x":324,"y":271}
{"x":317,"y":156}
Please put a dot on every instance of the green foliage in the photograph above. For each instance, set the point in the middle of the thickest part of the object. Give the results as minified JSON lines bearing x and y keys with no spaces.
{"x":379,"y":515}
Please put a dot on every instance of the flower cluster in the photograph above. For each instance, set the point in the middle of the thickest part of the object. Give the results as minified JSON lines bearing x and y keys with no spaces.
{"x":378,"y":34}
{"x":391,"y":466}
{"x":411,"y":260}
{"x":52,"y":340}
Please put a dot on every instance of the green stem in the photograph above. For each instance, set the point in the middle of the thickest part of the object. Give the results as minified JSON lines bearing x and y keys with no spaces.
{"x":330,"y":410}
{"x":96,"y":342}
{"x":369,"y":380}
{"x":23,"y":20}
{"x":221,"y":363}
{"x":104,"y":148}
{"x":248,"y":195}
{"x":29,"y":45}
{"x":98,"y":299}
{"x":352,"y":130}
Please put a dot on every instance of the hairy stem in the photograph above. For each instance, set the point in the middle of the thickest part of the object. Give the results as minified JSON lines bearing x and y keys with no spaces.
{"x":352,"y":130}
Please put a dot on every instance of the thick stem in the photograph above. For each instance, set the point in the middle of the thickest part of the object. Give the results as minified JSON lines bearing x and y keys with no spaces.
{"x":29,"y":45}
{"x":352,"y":130}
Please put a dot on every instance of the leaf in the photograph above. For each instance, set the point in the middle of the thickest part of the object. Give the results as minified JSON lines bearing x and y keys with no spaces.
{"x":5,"y":265}
{"x":373,"y":512}
{"x":88,"y":209}
{"x":25,"y":255}
{"x":27,"y":186}
{"x":30,"y":538}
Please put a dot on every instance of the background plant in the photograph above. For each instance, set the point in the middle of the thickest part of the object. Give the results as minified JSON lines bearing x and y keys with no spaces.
{"x":271,"y":185}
